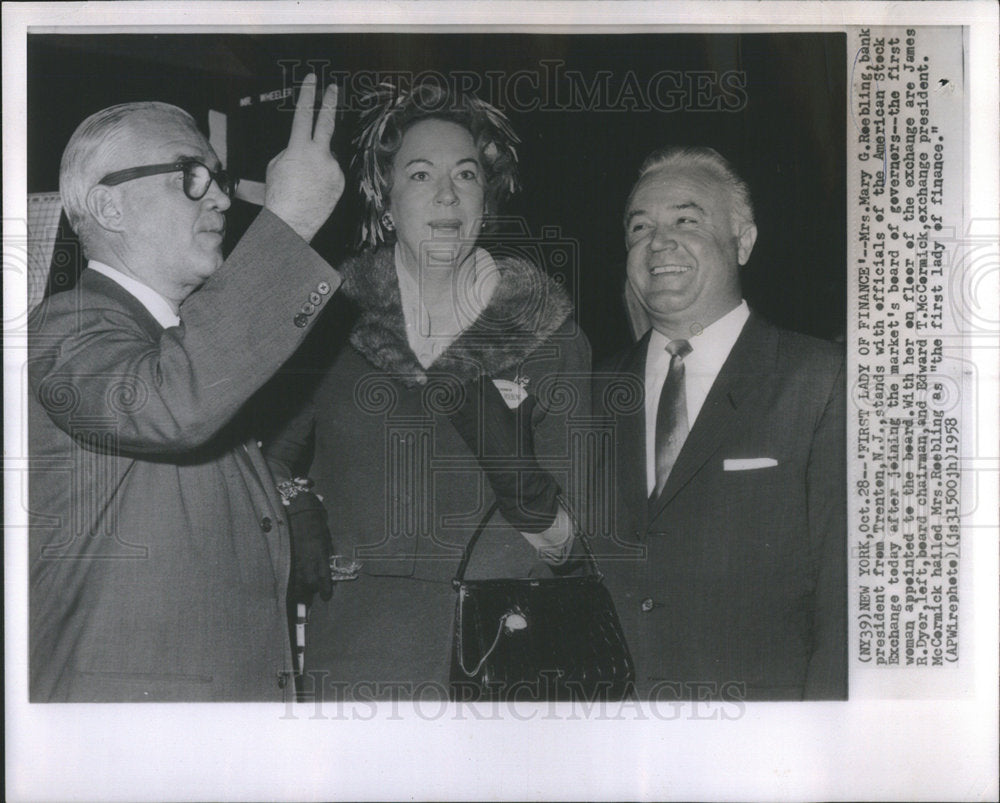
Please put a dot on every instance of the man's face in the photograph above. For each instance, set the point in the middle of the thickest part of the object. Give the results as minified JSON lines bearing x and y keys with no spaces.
{"x":170,"y":237}
{"x":684,"y":248}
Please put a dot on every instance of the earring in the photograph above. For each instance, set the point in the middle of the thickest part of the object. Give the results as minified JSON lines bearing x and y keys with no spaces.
{"x":387,"y":222}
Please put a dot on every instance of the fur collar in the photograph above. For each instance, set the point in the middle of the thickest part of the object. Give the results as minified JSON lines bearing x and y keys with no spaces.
{"x":526,"y":308}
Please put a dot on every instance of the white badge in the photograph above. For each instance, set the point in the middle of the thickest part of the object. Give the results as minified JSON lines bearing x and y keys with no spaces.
{"x":513,"y":392}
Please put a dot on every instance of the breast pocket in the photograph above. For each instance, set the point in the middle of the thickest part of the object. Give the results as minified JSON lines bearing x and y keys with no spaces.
{"x":765,"y":510}
{"x":749,"y":482}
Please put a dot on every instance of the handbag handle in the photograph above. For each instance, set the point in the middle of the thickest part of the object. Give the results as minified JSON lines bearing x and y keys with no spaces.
{"x":577,"y":533}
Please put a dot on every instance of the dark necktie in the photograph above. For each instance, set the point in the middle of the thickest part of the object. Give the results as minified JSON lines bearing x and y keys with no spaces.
{"x":671,"y":415}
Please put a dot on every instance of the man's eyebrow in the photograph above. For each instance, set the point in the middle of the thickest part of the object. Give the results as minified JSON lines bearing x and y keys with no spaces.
{"x":685,"y":205}
{"x":690,"y":205}
{"x":214,"y":166}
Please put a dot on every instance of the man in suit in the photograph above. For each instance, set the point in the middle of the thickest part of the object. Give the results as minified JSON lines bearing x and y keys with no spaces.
{"x":728,"y":557}
{"x":159,"y":549}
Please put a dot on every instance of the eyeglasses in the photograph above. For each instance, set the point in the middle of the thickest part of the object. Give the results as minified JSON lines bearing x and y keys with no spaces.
{"x":197,"y":177}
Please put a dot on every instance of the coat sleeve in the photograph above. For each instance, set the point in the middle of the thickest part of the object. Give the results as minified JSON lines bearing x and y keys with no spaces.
{"x":173,"y":394}
{"x":564,"y":392}
{"x":826,"y":480}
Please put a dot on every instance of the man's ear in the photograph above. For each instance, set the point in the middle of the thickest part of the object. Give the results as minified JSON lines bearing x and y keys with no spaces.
{"x":105,"y":207}
{"x":745,"y":239}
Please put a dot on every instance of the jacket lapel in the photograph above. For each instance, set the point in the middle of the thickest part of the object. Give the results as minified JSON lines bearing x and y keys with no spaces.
{"x":93,"y":282}
{"x":631,"y":442}
{"x":743,"y":373}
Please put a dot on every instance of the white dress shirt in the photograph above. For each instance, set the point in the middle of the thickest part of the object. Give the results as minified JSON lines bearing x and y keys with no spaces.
{"x":473,"y":286}
{"x":709,"y":350}
{"x":155,"y":304}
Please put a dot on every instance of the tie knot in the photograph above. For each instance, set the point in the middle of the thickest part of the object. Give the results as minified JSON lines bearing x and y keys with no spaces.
{"x":679,"y":348}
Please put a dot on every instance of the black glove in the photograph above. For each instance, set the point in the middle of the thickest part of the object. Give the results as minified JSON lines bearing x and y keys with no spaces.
{"x":311,"y":549}
{"x":502,"y":440}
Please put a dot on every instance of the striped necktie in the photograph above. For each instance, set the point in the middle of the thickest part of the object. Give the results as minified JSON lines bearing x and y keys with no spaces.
{"x":671,"y":415}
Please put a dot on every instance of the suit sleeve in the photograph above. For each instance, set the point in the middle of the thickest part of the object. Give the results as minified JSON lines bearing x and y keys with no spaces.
{"x":174,"y":394}
{"x":826,"y":480}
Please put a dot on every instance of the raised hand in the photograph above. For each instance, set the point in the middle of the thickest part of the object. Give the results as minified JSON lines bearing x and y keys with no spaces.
{"x":304,"y":181}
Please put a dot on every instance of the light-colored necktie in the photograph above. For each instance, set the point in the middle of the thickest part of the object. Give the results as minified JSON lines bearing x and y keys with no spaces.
{"x":671,"y":415}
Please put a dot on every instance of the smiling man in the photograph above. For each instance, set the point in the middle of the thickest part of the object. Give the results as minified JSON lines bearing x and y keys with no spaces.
{"x":159,"y":550}
{"x":729,"y":480}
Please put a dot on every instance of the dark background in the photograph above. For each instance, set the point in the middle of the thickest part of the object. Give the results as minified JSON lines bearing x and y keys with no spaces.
{"x":578,"y":160}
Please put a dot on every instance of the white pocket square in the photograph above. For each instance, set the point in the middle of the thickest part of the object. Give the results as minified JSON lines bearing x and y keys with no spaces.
{"x":748,"y":463}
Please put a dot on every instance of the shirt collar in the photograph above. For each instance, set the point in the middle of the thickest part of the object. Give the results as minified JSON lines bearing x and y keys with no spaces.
{"x":155,"y":304}
{"x":711,"y":346}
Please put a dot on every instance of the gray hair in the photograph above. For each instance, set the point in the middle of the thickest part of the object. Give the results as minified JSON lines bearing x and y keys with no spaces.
{"x":90,"y":153}
{"x":708,"y":159}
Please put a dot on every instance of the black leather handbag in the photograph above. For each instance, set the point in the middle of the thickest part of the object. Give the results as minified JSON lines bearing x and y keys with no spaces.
{"x":555,"y":638}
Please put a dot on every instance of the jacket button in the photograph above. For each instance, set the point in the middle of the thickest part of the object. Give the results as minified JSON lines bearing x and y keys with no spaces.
{"x":646,"y":605}
{"x":308,"y":308}
{"x":301,"y":320}
{"x":315,"y":298}
{"x":265,"y":524}
{"x":282,"y":679}
{"x":323,"y":287}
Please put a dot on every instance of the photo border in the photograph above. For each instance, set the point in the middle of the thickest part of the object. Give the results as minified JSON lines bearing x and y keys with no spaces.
{"x":875,"y":749}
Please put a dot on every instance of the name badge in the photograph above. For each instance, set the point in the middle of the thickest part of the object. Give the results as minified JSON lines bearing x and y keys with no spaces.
{"x":513,"y":392}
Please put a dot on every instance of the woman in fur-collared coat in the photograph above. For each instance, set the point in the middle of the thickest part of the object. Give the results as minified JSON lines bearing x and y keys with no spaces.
{"x":465,"y":381}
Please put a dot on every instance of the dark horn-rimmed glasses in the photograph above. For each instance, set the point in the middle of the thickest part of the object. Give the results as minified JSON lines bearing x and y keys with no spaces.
{"x":197,"y":177}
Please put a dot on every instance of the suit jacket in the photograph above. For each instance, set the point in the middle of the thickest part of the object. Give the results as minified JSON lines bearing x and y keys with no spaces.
{"x":732,"y":583}
{"x":159,"y":551}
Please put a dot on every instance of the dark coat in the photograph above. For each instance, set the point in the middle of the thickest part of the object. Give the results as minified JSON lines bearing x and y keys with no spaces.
{"x":159,"y":550}
{"x":732,"y":584}
{"x":402,"y":489}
